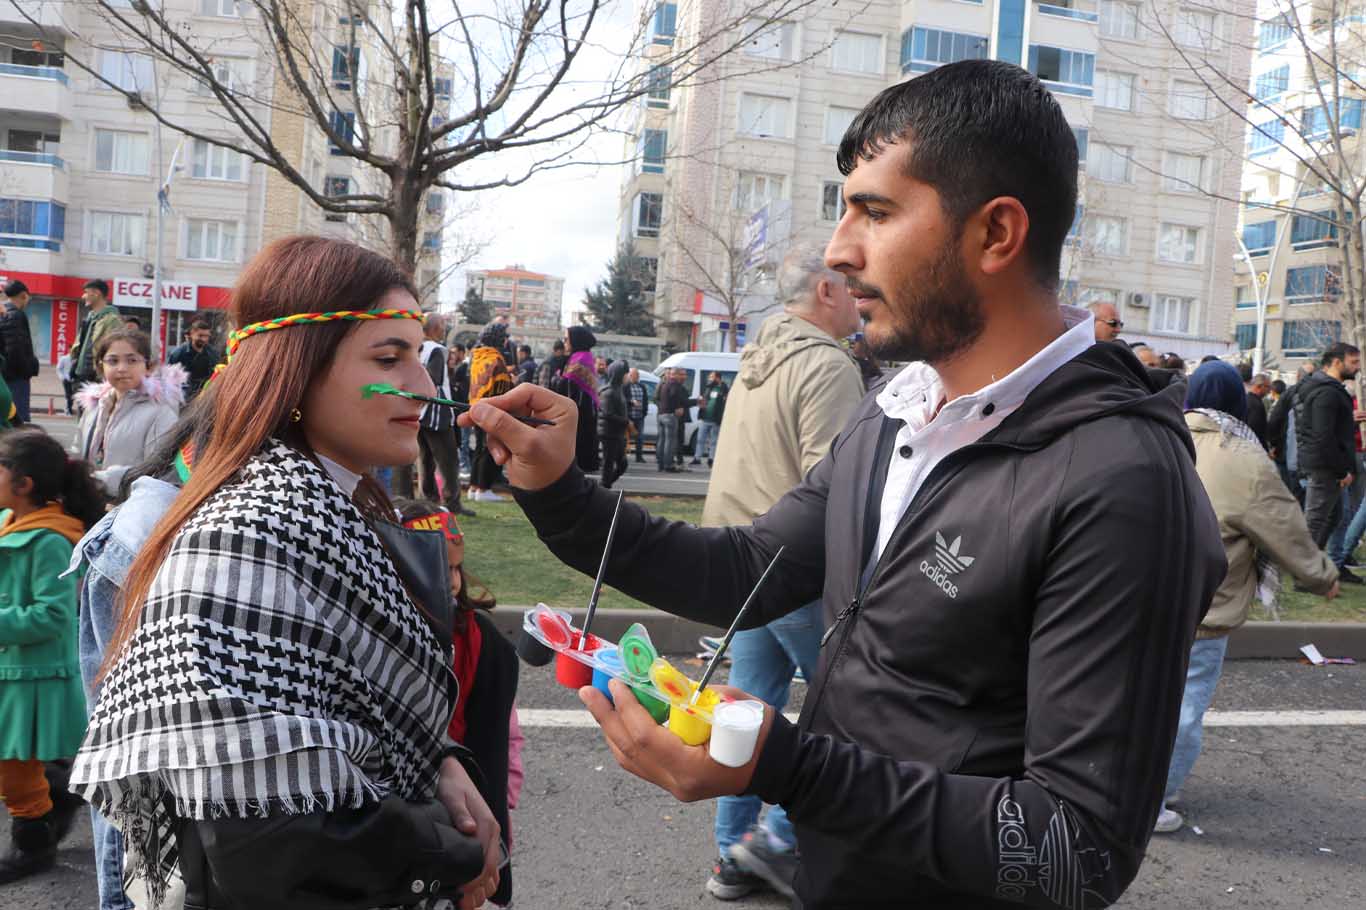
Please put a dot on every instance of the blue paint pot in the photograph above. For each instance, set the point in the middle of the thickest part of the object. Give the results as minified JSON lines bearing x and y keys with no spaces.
{"x":609,"y":664}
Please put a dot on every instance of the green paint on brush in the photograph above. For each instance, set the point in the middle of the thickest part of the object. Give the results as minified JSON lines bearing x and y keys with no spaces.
{"x":384,"y":388}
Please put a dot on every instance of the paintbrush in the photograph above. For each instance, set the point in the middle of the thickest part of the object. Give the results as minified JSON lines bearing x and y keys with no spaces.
{"x":602,"y":570}
{"x":384,"y":388}
{"x":734,"y":626}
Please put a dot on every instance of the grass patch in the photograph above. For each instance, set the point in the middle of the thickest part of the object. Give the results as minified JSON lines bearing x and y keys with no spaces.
{"x":1348,"y":606}
{"x":503,"y":551}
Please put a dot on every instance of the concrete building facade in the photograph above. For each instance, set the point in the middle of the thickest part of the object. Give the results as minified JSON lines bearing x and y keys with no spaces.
{"x":80,"y":166}
{"x":734,"y":170}
{"x":530,"y":300}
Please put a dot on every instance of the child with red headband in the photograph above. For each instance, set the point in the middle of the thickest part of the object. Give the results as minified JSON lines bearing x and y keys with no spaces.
{"x":485,"y":663}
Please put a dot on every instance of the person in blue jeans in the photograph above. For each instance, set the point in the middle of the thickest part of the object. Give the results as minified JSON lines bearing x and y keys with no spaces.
{"x":762,"y":662}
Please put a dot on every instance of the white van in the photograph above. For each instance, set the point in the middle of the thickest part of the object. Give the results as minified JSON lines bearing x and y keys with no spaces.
{"x":698,"y":365}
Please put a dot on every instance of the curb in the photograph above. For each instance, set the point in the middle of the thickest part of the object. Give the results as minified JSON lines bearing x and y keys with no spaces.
{"x":1255,"y":640}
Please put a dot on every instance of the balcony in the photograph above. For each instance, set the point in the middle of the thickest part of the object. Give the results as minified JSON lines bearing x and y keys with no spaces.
{"x":1079,"y":10}
{"x":42,"y":90}
{"x":34,"y":175}
{"x":46,"y":13}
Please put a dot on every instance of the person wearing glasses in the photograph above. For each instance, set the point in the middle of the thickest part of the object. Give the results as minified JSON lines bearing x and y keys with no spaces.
{"x":127,"y":413}
{"x":1108,"y":322}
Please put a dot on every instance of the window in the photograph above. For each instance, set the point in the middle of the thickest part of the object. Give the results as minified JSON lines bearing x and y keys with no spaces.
{"x":1272,"y":84}
{"x":1111,"y":163}
{"x":127,"y":72}
{"x":1194,"y":28}
{"x":1312,"y":283}
{"x":1314,"y":120}
{"x":1188,"y":101}
{"x":754,"y":191}
{"x":1172,"y":314}
{"x":855,"y":52}
{"x":210,"y":241}
{"x":1178,"y":243}
{"x":648,"y":213}
{"x":1182,"y":173}
{"x":1246,"y":336}
{"x":837,"y":120}
{"x":1091,"y":295}
{"x":664,"y":23}
{"x":234,"y":75}
{"x":431,"y":240}
{"x":1308,"y":232}
{"x":35,"y":141}
{"x":441,"y":85}
{"x":1118,"y":19}
{"x":1245,"y":297}
{"x":32,"y":224}
{"x":1074,"y":229}
{"x":345,"y":66}
{"x":230,"y":9}
{"x":764,"y":115}
{"x":770,"y":40}
{"x":1308,"y":336}
{"x":647,"y":272}
{"x":922,"y":49}
{"x":1259,"y":238}
{"x":654,"y":146}
{"x":341,"y":186}
{"x":117,"y":152}
{"x":1273,"y":33}
{"x":436,"y":202}
{"x":1115,"y":90}
{"x":1265,"y":138}
{"x":657,"y":86}
{"x":345,"y":126}
{"x":118,"y":234}
{"x":1082,"y":135}
{"x":213,"y":162}
{"x":832,"y":201}
{"x":1070,"y":72}
{"x":1107,"y":234}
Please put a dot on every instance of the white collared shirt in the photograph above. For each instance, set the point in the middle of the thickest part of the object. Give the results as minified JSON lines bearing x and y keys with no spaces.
{"x":347,"y":479}
{"x":914,"y":393}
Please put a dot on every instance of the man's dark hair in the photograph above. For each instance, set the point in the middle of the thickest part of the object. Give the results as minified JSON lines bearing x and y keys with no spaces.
{"x":459,"y":347}
{"x":979,"y":129}
{"x":1338,"y":351}
{"x":558,"y":347}
{"x":1278,"y":386}
{"x":15,"y":287}
{"x":524,"y":349}
{"x":98,"y":284}
{"x":200,"y":324}
{"x":1207,"y":358}
{"x":1245,"y":371}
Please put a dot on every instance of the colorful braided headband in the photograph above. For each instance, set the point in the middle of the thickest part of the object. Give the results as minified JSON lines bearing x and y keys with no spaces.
{"x":284,"y":322}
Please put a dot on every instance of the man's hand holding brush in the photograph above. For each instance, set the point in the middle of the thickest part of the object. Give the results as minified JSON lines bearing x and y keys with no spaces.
{"x":535,"y":457}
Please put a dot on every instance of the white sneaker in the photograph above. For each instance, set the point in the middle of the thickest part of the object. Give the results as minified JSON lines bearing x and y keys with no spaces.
{"x":1168,"y":821}
{"x":488,"y":496}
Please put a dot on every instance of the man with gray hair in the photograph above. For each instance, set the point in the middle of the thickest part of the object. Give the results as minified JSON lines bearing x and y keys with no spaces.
{"x":1108,"y":322}
{"x":796,"y":388}
{"x":439,"y":446}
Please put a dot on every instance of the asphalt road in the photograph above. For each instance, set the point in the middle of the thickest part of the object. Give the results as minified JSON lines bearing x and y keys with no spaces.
{"x":1281,"y":811}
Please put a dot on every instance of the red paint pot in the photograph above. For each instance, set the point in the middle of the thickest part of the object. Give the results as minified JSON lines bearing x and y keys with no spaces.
{"x":569,"y":672}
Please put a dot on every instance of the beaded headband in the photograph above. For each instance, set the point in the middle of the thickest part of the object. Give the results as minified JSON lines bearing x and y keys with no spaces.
{"x":284,"y":322}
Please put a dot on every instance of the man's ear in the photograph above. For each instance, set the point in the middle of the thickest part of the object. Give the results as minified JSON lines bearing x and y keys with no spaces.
{"x":1004,"y":230}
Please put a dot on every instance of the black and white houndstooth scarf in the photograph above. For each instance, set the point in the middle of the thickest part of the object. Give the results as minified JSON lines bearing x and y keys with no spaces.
{"x":279,"y":667}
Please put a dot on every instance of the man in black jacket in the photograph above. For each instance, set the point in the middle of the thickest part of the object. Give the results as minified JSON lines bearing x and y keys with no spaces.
{"x":999,"y":688}
{"x":1279,"y":425}
{"x":1256,"y":388}
{"x":1325,"y":438}
{"x":21,"y":364}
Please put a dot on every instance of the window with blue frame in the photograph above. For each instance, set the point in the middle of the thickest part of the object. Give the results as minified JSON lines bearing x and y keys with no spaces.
{"x":431,"y":240}
{"x":1265,"y":138}
{"x":1246,"y":336}
{"x":653,"y":145}
{"x":1259,"y":238}
{"x":1273,"y":33}
{"x":1272,"y":83}
{"x":32,"y":224}
{"x":1314,"y":122}
{"x":664,"y":24}
{"x":1308,"y":232}
{"x":1306,"y":336}
{"x":345,"y":126}
{"x":1312,"y":283}
{"x":923,"y":49}
{"x":1082,"y":135}
{"x":657,"y":85}
{"x":345,"y":65}
{"x":1010,"y":19}
{"x":1069,"y":72}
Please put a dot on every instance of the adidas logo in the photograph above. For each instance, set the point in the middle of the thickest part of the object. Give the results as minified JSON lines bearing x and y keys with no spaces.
{"x":950,"y":563}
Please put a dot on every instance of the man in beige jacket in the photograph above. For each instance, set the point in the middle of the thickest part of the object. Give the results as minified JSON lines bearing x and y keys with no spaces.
{"x":1260,"y":524}
{"x":796,"y":389}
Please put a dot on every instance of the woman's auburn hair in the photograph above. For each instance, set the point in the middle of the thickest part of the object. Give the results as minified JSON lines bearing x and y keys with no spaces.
{"x":269,"y":378}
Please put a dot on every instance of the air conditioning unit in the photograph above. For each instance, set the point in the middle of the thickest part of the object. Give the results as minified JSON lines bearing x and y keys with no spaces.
{"x":1138,"y":301}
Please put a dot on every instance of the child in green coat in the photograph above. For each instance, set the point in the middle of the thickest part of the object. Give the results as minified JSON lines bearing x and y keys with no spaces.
{"x":48,"y":503}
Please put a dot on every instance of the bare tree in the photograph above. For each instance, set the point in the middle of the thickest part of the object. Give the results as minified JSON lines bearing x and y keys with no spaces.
{"x":416,"y":94}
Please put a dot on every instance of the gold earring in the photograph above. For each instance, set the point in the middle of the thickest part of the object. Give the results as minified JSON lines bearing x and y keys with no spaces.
{"x":295,"y":416}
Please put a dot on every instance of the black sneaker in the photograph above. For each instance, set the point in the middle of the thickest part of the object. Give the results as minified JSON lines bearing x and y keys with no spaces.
{"x":729,"y":882}
{"x":65,"y":807}
{"x":1346,"y":577}
{"x":33,"y":849}
{"x":776,"y":867}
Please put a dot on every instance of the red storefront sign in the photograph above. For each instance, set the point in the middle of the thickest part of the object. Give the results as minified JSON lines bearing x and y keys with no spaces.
{"x":65,"y":325}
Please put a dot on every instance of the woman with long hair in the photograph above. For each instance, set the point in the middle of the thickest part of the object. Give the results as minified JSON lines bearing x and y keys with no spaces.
{"x":579,"y":382}
{"x":489,"y":376}
{"x":274,"y":698}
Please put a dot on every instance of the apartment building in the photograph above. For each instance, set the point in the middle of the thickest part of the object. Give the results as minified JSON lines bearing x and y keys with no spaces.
{"x":740,"y":167}
{"x":1289,"y":257}
{"x":530,"y":300}
{"x":80,"y":166}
